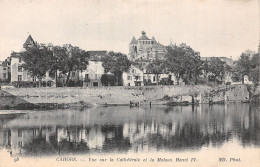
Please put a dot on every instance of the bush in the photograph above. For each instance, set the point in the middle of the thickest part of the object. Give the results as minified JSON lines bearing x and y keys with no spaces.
{"x":30,"y":84}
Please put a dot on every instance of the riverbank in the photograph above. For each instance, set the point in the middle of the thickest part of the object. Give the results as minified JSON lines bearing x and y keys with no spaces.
{"x":51,"y":98}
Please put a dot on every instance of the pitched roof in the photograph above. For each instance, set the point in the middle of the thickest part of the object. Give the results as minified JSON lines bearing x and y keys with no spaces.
{"x":133,"y":41}
{"x":29,"y":41}
{"x":159,"y":46}
{"x":153,"y":39}
{"x":143,"y":37}
{"x":15,"y":54}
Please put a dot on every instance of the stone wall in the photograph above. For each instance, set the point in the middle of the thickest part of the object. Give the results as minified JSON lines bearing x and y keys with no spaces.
{"x":123,"y":95}
{"x":101,"y":95}
{"x":224,"y":94}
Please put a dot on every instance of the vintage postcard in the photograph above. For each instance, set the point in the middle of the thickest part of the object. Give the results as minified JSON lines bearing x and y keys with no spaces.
{"x":133,"y":83}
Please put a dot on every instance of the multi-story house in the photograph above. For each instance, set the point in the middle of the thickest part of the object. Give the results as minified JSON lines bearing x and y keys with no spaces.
{"x":134,"y":77}
{"x":92,"y":75}
{"x":3,"y":69}
{"x":5,"y":72}
{"x":18,"y":73}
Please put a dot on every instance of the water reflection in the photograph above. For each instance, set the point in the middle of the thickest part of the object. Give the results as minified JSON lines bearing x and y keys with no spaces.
{"x":124,"y":129}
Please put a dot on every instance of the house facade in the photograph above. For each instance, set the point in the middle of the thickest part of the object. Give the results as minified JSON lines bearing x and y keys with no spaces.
{"x":134,"y":77}
{"x":92,"y":75}
{"x":3,"y":72}
{"x":18,"y":73}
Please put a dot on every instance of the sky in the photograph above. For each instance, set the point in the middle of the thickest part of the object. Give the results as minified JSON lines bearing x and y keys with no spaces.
{"x":219,"y":28}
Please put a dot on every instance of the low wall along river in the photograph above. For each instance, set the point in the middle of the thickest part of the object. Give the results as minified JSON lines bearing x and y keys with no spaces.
{"x":101,"y":96}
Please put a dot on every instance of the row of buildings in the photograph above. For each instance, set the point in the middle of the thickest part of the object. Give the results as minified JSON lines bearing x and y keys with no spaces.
{"x":142,"y":51}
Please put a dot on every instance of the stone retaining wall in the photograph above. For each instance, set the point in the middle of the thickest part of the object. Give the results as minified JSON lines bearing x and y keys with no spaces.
{"x":123,"y":95}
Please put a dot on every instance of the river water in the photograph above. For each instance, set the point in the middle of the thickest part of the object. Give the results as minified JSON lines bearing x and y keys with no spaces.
{"x":125,"y":130}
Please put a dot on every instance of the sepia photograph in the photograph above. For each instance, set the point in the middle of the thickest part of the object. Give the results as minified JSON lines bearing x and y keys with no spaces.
{"x":132,"y":83}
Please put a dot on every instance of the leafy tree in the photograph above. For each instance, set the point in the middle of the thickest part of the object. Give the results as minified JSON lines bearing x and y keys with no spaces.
{"x":116,"y":63}
{"x":184,"y":62}
{"x":216,"y":68}
{"x":255,"y":76}
{"x":157,"y":67}
{"x":37,"y":61}
{"x":70,"y":58}
{"x":248,"y":64}
{"x":244,"y":64}
{"x":40,"y":59}
{"x":108,"y":80}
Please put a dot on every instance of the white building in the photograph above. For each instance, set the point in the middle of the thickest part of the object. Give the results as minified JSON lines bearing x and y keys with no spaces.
{"x":134,"y":77}
{"x":92,"y":75}
{"x":18,"y":73}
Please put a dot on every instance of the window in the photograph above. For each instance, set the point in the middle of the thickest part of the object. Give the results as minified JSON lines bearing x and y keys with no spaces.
{"x":20,"y":133}
{"x":154,"y":78}
{"x":73,"y":74}
{"x":133,"y":70}
{"x":20,"y":69}
{"x":19,"y":77}
{"x":128,"y":77}
{"x":86,"y":76}
{"x":34,"y":132}
{"x":20,"y":59}
{"x":34,"y":79}
{"x":4,"y":68}
{"x":20,"y":144}
{"x":49,"y":129}
{"x":4,"y":75}
{"x":95,"y":83}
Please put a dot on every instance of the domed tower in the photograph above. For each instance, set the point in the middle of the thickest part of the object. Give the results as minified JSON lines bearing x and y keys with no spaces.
{"x":132,"y":49}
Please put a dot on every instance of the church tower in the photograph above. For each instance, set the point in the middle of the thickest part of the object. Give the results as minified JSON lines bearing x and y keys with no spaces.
{"x":132,"y":49}
{"x":29,"y":42}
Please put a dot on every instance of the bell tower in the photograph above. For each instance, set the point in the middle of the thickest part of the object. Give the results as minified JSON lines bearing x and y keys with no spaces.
{"x":132,"y":49}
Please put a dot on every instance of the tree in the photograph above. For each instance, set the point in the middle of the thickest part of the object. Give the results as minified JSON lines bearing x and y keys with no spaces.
{"x":248,"y":64}
{"x":37,"y":61}
{"x":156,"y":67}
{"x":216,"y":68}
{"x":184,"y":62}
{"x":116,"y":63}
{"x":108,"y":80}
{"x":244,"y":64}
{"x":70,"y":58}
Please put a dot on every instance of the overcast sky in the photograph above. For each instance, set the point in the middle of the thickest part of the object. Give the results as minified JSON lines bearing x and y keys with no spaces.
{"x":213,"y":27}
